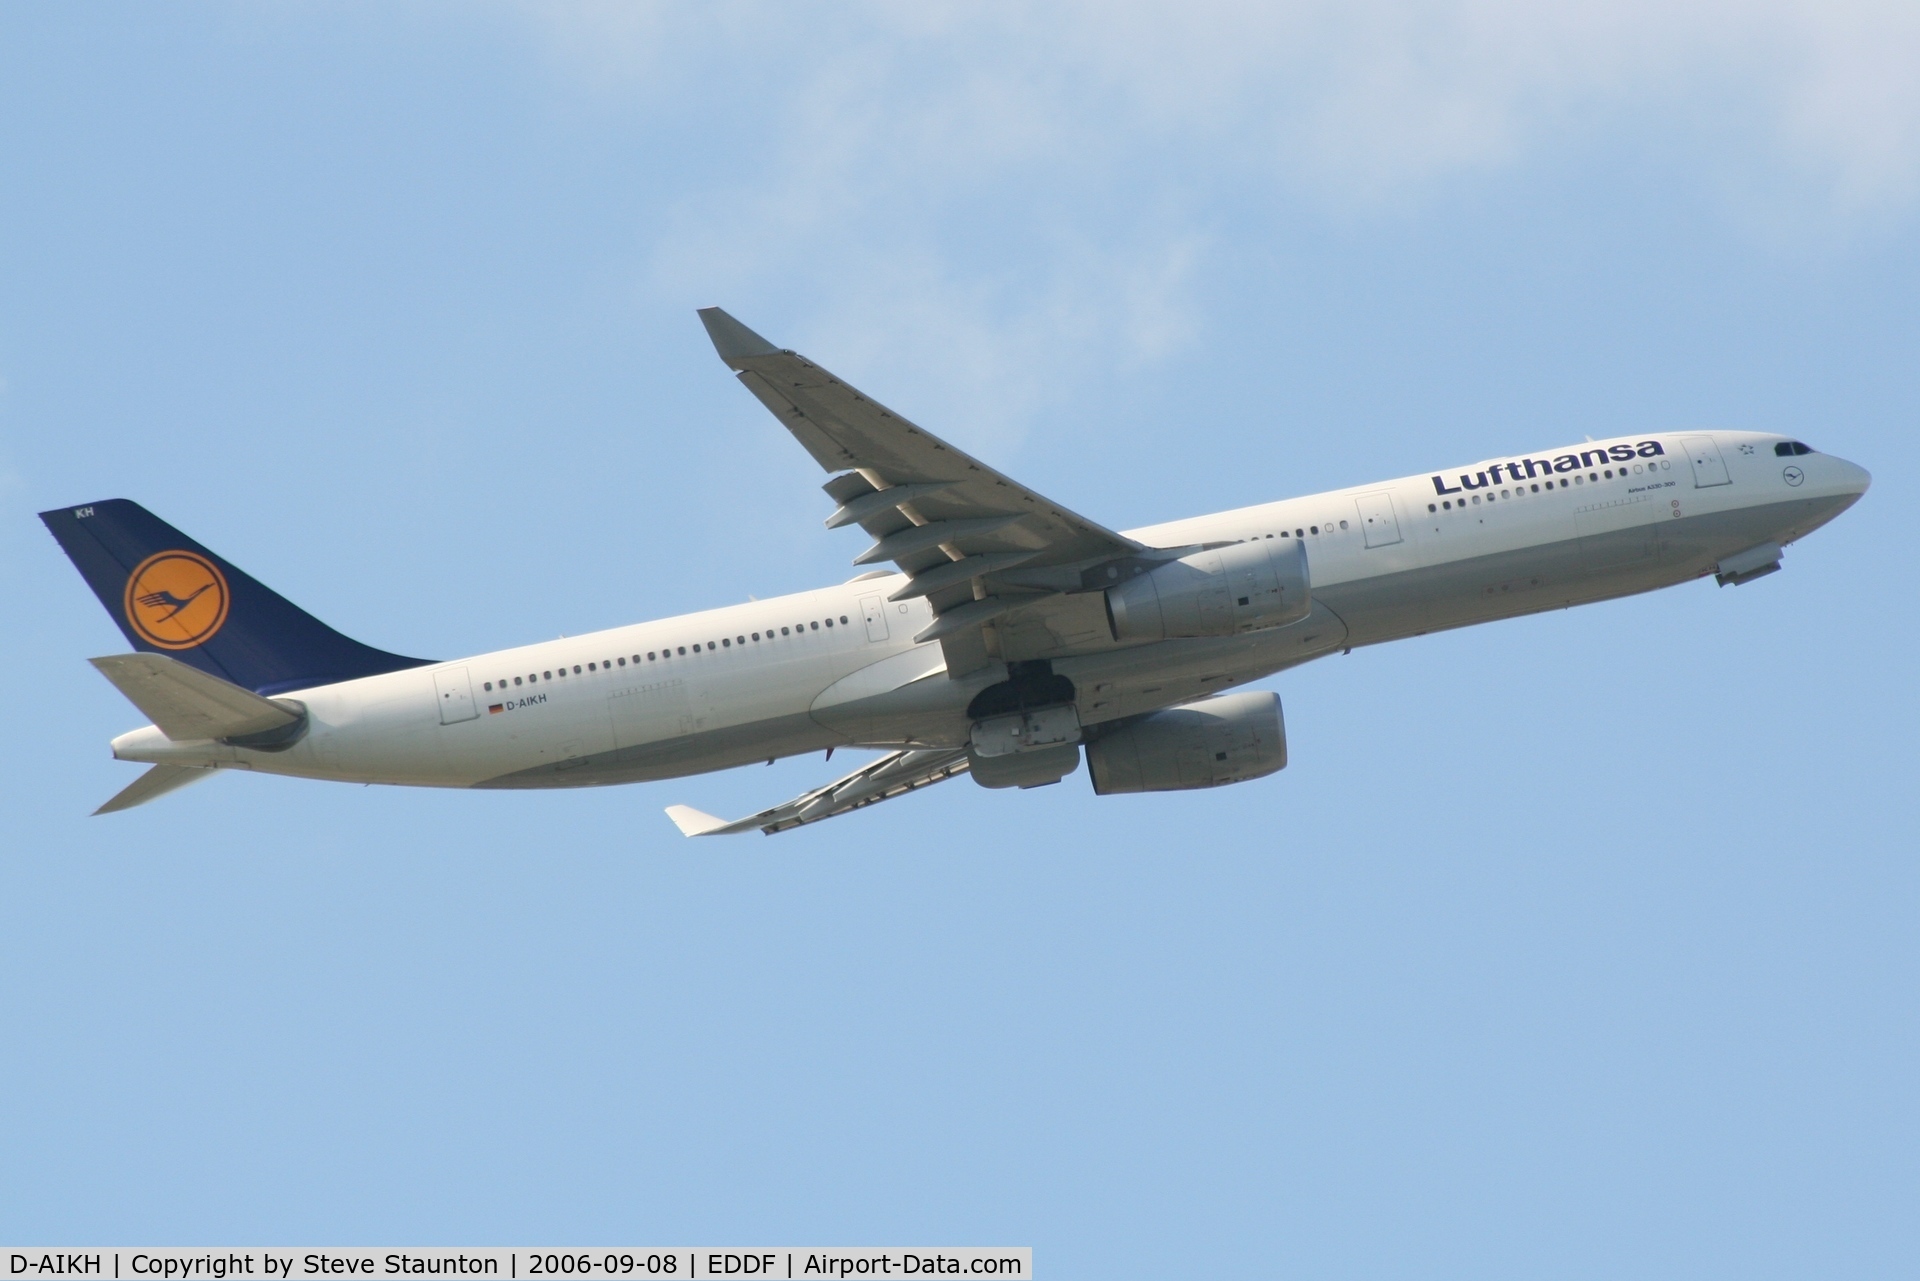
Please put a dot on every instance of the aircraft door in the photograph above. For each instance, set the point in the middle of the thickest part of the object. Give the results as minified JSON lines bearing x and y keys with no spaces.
{"x":1377,"y":519}
{"x":1709,"y":469}
{"x":456,"y":695}
{"x":876,"y":616}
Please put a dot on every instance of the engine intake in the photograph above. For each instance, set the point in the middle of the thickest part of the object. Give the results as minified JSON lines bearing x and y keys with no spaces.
{"x":1209,"y":743}
{"x":1243,"y":587}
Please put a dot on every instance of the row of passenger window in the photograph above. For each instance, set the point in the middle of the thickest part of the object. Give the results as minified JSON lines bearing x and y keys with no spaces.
{"x":534,"y":678}
{"x":1302,"y":533}
{"x":1520,"y":491}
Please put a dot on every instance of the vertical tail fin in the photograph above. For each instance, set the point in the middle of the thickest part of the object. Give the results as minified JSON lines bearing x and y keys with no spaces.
{"x":172,"y":596}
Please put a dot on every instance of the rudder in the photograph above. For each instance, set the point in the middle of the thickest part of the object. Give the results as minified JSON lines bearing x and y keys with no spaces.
{"x":171,"y":596}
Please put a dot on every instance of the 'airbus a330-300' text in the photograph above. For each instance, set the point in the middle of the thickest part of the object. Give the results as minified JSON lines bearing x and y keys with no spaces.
{"x":1009,"y":638}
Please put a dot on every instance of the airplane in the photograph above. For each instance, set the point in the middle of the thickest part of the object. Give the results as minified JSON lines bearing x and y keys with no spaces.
{"x":1008,"y":637}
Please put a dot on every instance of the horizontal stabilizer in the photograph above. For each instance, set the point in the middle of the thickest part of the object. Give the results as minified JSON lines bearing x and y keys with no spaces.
{"x":186,"y":703}
{"x":156,"y":782}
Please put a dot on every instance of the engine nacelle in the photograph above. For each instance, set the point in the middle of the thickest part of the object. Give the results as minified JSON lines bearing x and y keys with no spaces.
{"x":1209,"y":743}
{"x":1243,"y":587}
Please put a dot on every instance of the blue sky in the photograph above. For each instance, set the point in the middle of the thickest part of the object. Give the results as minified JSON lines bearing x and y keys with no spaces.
{"x":1580,"y":945}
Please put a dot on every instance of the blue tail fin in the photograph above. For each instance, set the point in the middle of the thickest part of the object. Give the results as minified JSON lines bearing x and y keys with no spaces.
{"x":172,"y":596}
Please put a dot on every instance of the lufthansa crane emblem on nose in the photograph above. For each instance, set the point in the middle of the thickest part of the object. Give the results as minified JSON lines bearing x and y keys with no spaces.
{"x":1793,"y":475}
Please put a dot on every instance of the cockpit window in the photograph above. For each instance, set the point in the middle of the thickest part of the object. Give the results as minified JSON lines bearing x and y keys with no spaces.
{"x":1789,"y":447}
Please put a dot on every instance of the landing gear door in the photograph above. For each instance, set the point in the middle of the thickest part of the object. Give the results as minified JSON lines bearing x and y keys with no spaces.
{"x":456,"y":695}
{"x":1377,"y":519}
{"x":1709,"y":469}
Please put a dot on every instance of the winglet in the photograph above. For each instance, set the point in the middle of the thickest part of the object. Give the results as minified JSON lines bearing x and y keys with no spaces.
{"x":733,"y":340}
{"x":692,"y":822}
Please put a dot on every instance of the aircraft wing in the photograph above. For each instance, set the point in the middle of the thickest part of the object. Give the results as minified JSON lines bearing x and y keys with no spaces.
{"x":976,"y":543}
{"x":894,"y":774}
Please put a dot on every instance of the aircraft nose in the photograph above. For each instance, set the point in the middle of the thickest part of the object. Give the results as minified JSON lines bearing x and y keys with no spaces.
{"x":1852,"y":478}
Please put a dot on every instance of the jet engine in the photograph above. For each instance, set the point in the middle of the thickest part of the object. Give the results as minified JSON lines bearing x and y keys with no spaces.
{"x":1242,"y":587}
{"x":1210,"y":743}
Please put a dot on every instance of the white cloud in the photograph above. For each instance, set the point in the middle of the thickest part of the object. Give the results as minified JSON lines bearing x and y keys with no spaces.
{"x":872,"y":148}
{"x":1354,"y":97}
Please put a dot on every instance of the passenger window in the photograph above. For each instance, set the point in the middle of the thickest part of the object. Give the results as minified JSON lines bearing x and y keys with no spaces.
{"x":756,"y":635}
{"x":741,"y":639}
{"x":1536,"y":489}
{"x":1299,"y":533}
{"x":816,"y":627}
{"x":1430,"y":507}
{"x":783,"y":631}
{"x":650,"y":657}
{"x":726,"y":642}
{"x":1343,"y":524}
{"x":516,"y":680}
{"x":563,"y":672}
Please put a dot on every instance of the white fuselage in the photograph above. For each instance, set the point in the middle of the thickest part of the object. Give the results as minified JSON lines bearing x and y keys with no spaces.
{"x":839,"y":666}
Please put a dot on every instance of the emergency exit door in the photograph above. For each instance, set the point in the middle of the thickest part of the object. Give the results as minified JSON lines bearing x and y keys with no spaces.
{"x":1709,"y":468}
{"x":1377,"y":520}
{"x":456,"y":695}
{"x":876,"y":615}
